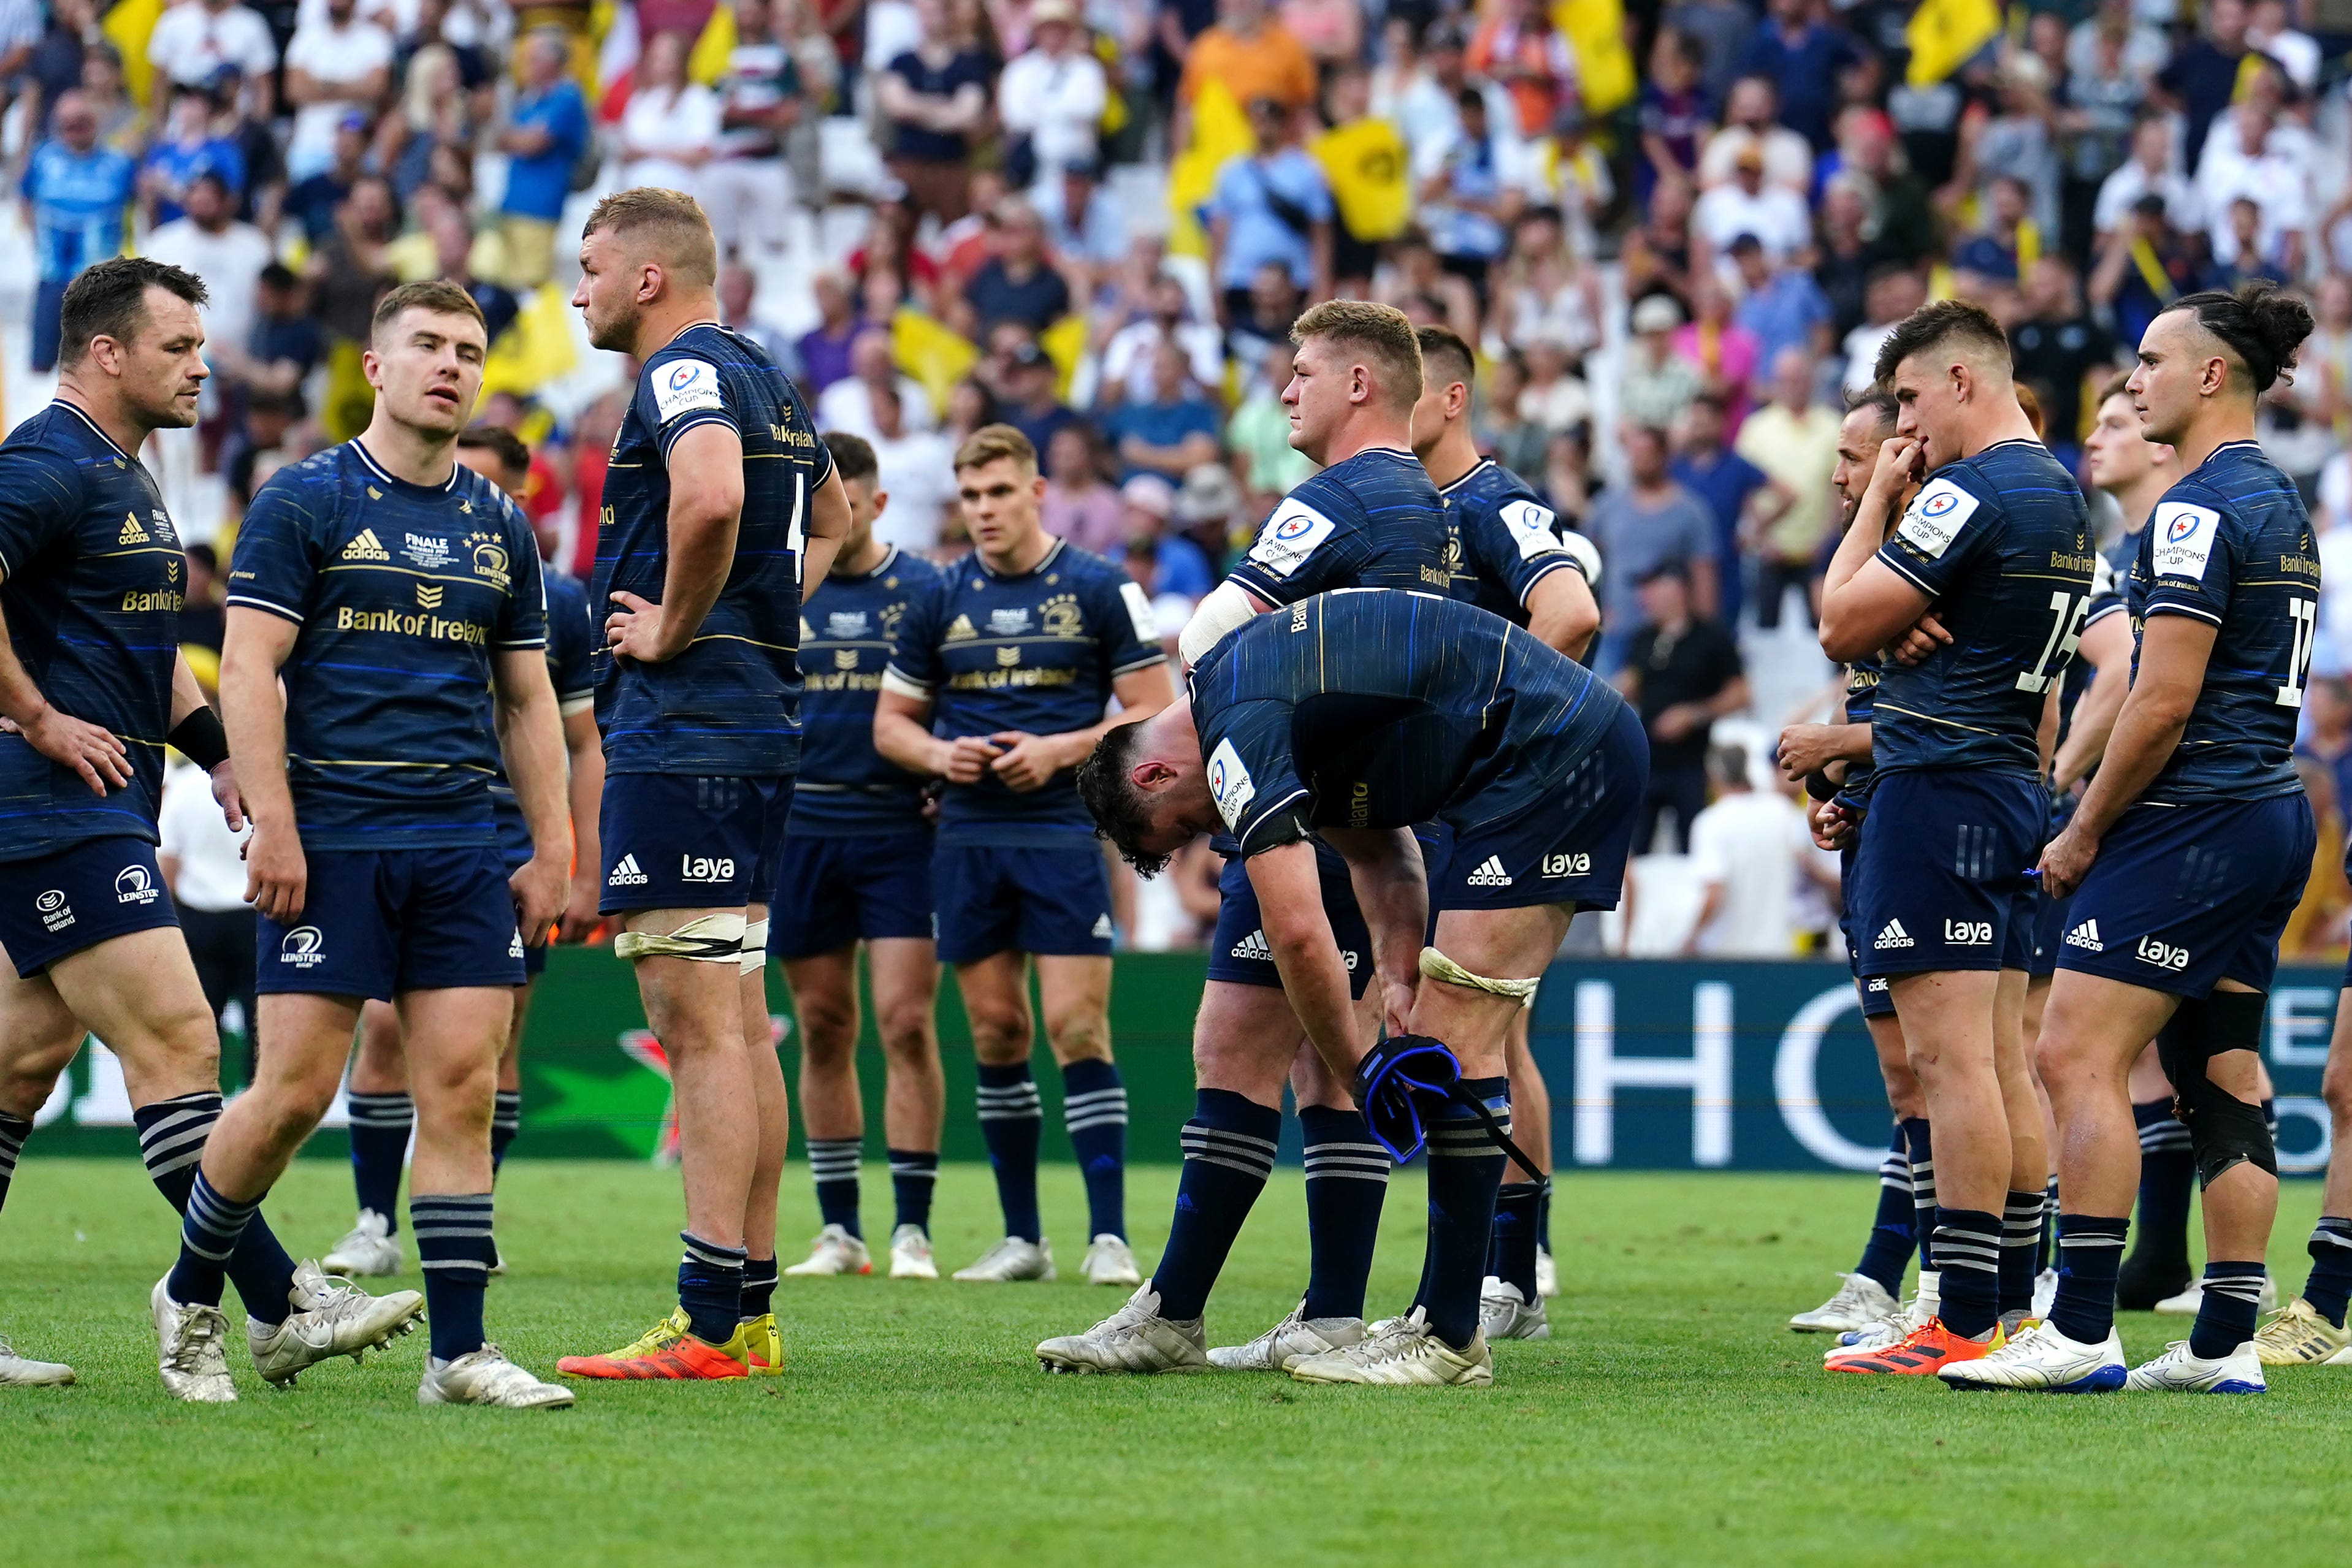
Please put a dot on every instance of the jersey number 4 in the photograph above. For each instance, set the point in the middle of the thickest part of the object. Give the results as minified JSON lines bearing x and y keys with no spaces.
{"x":2067,"y":612}
{"x":2304,"y":613}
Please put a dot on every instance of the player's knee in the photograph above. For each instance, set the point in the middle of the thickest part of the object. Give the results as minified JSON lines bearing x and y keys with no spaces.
{"x":828,"y":1030}
{"x":908,"y":1035}
{"x":1079,"y":1035}
{"x":2335,"y":1089}
{"x":998,"y":1031}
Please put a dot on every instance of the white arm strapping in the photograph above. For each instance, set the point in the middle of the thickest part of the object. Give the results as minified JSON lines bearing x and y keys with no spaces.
{"x":1227,"y":607}
{"x":1584,"y":553}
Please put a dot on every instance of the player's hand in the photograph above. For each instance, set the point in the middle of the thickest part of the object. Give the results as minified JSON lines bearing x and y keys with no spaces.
{"x":277,"y":877}
{"x":1832,"y":825}
{"x":1899,"y":461}
{"x":580,"y":918}
{"x":1927,"y":636}
{"x":967,"y":759}
{"x":541,"y":888}
{"x":2067,"y":861}
{"x":1030,"y":761}
{"x":1806,"y":749}
{"x":636,"y":631}
{"x":1397,"y":994}
{"x":90,"y":749}
{"x":227,"y":797}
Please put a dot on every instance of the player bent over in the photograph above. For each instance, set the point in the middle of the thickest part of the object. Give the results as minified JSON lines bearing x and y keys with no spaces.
{"x":857,"y":867}
{"x":1351,"y":716}
{"x":91,"y":685}
{"x":385,"y":584}
{"x":382,"y":1109}
{"x":2190,"y":851}
{"x":720,"y":499}
{"x":999,"y":682}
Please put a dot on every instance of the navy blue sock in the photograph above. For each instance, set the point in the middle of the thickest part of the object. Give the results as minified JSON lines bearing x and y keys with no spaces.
{"x":1346,"y":1180}
{"x":2232,"y":1303}
{"x":2090,"y":1253}
{"x":2020,"y":1250}
{"x":505,"y":1120}
{"x":208,"y":1236}
{"x":711,"y":1288}
{"x":913,"y":1174}
{"x":1923,"y":1185}
{"x":1894,"y":1232}
{"x":1968,"y":1265}
{"x":380,"y":1127}
{"x":1229,"y":1147}
{"x":2167,"y":1174}
{"x":172,"y":1135}
{"x":832,"y":1163}
{"x":1011,"y":1123}
{"x":14,"y":1131}
{"x":1512,"y":1256}
{"x":455,"y":1252}
{"x":2330,"y":1285}
{"x":759,"y":1296}
{"x":1465,"y":1170}
{"x":1094,"y":1109}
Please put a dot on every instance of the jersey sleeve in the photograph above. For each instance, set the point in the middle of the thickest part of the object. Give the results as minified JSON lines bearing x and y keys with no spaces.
{"x":1127,"y":629}
{"x":571,"y":647}
{"x":1941,"y":532}
{"x":523,"y":621}
{"x":276,"y":563}
{"x":1251,"y":776}
{"x":2192,"y":557}
{"x":1301,"y":549}
{"x":676,"y":395}
{"x":1515,"y":544}
{"x":821,"y":459}
{"x":40,"y":498}
{"x":2107,"y":593}
{"x":914,"y":666}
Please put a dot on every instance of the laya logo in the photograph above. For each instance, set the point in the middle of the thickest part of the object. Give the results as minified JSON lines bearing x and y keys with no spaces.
{"x":706,"y":868}
{"x":1969,"y":932}
{"x":55,"y":912}
{"x":2163,"y":954}
{"x":303,"y":947}
{"x":1568,"y":865}
{"x":135,"y":884}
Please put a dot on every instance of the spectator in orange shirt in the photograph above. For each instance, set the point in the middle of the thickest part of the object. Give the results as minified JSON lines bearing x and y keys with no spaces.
{"x":1519,"y":48}
{"x":1256,"y":58}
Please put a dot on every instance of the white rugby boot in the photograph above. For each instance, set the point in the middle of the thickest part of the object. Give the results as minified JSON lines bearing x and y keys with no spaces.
{"x":1296,"y":1335}
{"x":2045,"y":1293}
{"x":332,"y":1317}
{"x":1860,"y":1301}
{"x":1109,"y":1261}
{"x":1134,"y":1339}
{"x":368,"y":1249}
{"x":1502,"y":1314}
{"x":2189,"y":1302}
{"x":486,"y":1376}
{"x":834,"y":1252}
{"x":2298,"y":1336}
{"x":2045,"y":1361}
{"x":23,"y":1372}
{"x":910,"y":1254}
{"x":1011,"y":1258}
{"x":2178,"y":1372}
{"x":190,"y":1349}
{"x":1925,"y":1300}
{"x":1402,"y":1353}
{"x":1546,"y":1274}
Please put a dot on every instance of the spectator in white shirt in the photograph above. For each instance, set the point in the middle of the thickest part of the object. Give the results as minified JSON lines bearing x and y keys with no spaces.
{"x":193,"y":39}
{"x":671,"y":126}
{"x":2149,"y":169}
{"x":2248,"y":156}
{"x":747,"y":189}
{"x":916,"y":467}
{"x":1751,"y":117}
{"x":1746,"y":205}
{"x":1126,"y":358}
{"x":2269,"y":30}
{"x":1749,"y":850}
{"x":228,"y":255}
{"x":1051,"y":98}
{"x":848,"y":404}
{"x":204,"y":866}
{"x":334,"y":66}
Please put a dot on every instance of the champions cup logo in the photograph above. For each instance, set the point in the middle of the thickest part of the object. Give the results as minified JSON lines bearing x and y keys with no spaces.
{"x":2180,"y":528}
{"x":132,"y":884}
{"x":491,"y":562}
{"x":1292,"y":527}
{"x":1937,"y":505}
{"x":681,"y":374}
{"x":301,"y":947}
{"x":1217,"y":779}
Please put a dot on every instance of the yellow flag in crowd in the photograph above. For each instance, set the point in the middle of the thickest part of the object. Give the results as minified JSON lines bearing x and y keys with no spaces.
{"x":1604,"y":65}
{"x":1371,"y":176}
{"x":1943,"y":34}
{"x":126,"y":26}
{"x":708,"y":62}
{"x":537,"y":348}
{"x":935,"y":355}
{"x":1218,"y":132}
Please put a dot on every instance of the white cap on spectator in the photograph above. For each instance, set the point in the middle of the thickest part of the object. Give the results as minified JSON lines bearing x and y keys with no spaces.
{"x":1657,"y":314}
{"x":1210,"y":494}
{"x":1150,"y":493}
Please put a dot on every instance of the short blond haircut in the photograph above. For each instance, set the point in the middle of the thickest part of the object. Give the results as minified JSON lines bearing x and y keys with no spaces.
{"x":1383,"y":333}
{"x":994,"y":443}
{"x":669,"y":226}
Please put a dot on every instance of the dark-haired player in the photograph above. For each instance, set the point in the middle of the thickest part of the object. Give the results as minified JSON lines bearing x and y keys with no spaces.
{"x":719,"y":500}
{"x":2186,"y":857}
{"x":1997,"y":542}
{"x":376,"y":589}
{"x":999,"y":682}
{"x":92,"y":685}
{"x":382,"y":1111}
{"x":857,"y":870}
{"x":1507,"y":555}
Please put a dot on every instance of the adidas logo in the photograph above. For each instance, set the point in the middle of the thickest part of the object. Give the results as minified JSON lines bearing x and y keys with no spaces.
{"x":626,"y":874}
{"x":959,"y":630}
{"x":1489,"y":874}
{"x":2086,"y":934}
{"x":1102,"y":927}
{"x":1253,"y":946}
{"x":514,"y":949}
{"x":363,"y":547}
{"x":1894,"y":935}
{"x":132,"y":534}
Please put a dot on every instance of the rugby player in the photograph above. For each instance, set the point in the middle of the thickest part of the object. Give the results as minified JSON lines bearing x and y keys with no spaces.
{"x":857,"y":870}
{"x":1353,"y":716}
{"x":1507,"y":555}
{"x":718,"y":502}
{"x":91,"y":686}
{"x":376,"y":589}
{"x":2187,"y":853}
{"x":1371,"y":518}
{"x":383,"y":1113}
{"x":997,"y":683}
{"x":1997,"y":542}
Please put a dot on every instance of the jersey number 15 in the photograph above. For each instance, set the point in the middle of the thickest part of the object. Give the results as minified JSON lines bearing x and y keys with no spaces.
{"x":2067,"y":610}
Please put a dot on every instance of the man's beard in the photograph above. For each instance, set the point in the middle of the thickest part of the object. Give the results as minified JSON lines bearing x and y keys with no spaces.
{"x":618,"y":335}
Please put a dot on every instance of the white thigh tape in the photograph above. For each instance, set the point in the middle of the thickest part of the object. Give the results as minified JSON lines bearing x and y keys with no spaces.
{"x":706,"y":939}
{"x":1436,"y":965}
{"x":755,"y":946}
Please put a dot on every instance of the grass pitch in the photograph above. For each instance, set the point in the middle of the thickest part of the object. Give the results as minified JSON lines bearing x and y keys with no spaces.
{"x":1672,"y":1421}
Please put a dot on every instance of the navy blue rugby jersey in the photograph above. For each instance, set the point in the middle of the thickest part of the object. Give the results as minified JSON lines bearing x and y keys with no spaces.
{"x":1374,"y":520}
{"x":849,"y":628}
{"x":2002,"y":543}
{"x":91,"y":581}
{"x":729,"y":704}
{"x":2230,"y":545}
{"x":403,"y":593}
{"x":1371,"y":709}
{"x":1502,"y":539}
{"x":1861,"y":679}
{"x":571,"y":640}
{"x":1036,"y":652}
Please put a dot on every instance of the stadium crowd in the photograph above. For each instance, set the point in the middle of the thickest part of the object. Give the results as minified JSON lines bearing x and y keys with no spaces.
{"x":1677,"y":233}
